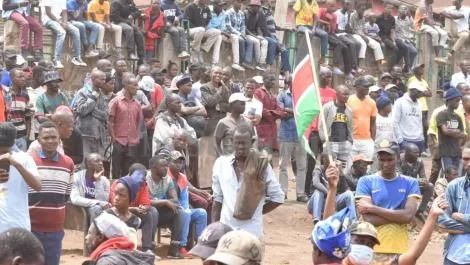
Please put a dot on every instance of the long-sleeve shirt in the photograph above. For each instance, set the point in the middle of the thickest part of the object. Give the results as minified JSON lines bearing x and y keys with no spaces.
{"x":197,"y":16}
{"x":235,"y":22}
{"x":330,"y":112}
{"x":166,"y":127}
{"x":91,"y":114}
{"x":267,"y":128}
{"x":287,"y":130}
{"x":358,"y":24}
{"x":215,"y":100}
{"x":121,"y":10}
{"x":81,"y":192}
{"x":256,"y":23}
{"x":407,"y":118}
{"x":171,"y":10}
{"x":217,"y":21}
{"x":457,"y":245}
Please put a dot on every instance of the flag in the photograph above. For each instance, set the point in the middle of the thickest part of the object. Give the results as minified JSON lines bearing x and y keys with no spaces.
{"x":306,"y":102}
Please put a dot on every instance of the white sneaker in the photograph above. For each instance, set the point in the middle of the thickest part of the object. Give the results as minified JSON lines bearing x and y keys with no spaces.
{"x":337,"y":71}
{"x":82,"y":63}
{"x":238,"y":67}
{"x":57,"y":65}
{"x":183,"y":55}
{"x":92,"y":54}
{"x":76,"y":61}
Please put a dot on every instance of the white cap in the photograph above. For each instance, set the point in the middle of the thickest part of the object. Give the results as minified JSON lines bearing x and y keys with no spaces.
{"x":374,"y":88}
{"x":20,"y":60}
{"x":237,"y":97}
{"x":111,"y":226}
{"x":237,"y":248}
{"x":258,"y":79}
{"x":416,"y":85}
{"x":389,"y":86}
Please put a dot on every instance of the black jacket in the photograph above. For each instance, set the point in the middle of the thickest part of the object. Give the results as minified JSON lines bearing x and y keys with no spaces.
{"x":121,"y":9}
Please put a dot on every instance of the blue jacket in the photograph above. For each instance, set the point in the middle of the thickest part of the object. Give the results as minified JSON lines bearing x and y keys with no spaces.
{"x":287,"y":130}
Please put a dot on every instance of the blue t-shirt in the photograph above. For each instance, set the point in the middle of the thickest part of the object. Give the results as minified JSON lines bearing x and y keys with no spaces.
{"x":5,"y":78}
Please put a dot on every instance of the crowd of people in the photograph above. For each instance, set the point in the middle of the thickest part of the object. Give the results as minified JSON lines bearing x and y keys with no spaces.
{"x":193,"y":151}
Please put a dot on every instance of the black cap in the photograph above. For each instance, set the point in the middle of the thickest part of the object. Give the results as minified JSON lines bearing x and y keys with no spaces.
{"x":365,"y":81}
{"x":207,"y":242}
{"x":388,"y":147}
{"x":51,"y":76}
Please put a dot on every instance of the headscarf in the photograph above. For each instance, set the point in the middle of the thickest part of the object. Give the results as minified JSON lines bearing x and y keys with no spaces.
{"x":133,"y":183}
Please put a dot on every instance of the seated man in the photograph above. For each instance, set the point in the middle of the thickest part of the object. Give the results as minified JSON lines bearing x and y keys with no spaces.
{"x":173,"y":16}
{"x":459,"y":14}
{"x":387,"y":33}
{"x":255,"y":22}
{"x":198,"y":14}
{"x":154,"y":24}
{"x":122,"y":13}
{"x":90,"y":188}
{"x":358,"y":169}
{"x":345,"y":198}
{"x":93,"y":43}
{"x":20,"y":12}
{"x":54,"y":17}
{"x":404,"y":32}
{"x":98,"y":12}
{"x":411,"y":165}
{"x":108,"y":242}
{"x":183,"y":188}
{"x":163,"y":197}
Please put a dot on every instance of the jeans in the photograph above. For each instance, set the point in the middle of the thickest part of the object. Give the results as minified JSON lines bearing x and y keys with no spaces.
{"x":247,"y":56}
{"x":260,"y":46}
{"x":28,"y":24}
{"x":449,"y":161}
{"x":353,"y":46}
{"x":52,"y":243}
{"x":199,"y":216}
{"x":134,"y":38}
{"x":393,"y":53}
{"x":409,"y":52}
{"x":122,"y":158}
{"x":285,"y":64}
{"x":317,"y":203}
{"x":323,"y":35}
{"x":84,"y":26}
{"x":287,"y":151}
{"x":273,"y":45}
{"x":149,"y":228}
{"x":179,"y":39}
{"x":59,"y":38}
{"x":174,"y":220}
{"x":21,"y":143}
{"x":341,"y":52}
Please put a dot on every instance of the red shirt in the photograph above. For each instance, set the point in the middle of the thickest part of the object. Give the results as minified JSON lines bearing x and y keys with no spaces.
{"x":327,"y":94}
{"x":127,"y":116}
{"x":329,"y":17}
{"x":3,"y":108}
{"x":142,"y":197}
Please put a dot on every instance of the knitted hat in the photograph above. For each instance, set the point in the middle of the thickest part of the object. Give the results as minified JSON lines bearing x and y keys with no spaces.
{"x":382,"y":102}
{"x":452,"y":93}
{"x":7,"y":134}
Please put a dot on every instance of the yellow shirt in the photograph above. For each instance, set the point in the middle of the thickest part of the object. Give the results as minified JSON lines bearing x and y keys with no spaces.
{"x":100,"y":10}
{"x":422,"y":101}
{"x":393,"y":239}
{"x":305,"y":12}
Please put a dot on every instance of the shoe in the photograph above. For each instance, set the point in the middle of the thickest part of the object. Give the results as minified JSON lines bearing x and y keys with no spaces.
{"x":337,"y":71}
{"x":183,"y":55}
{"x":119,"y":54}
{"x":174,"y":252}
{"x":425,"y":154}
{"x":248,"y":66}
{"x":27,"y":55}
{"x":185,"y":253}
{"x":238,"y":67}
{"x":441,"y":60}
{"x":133,"y":57}
{"x":58,"y":64}
{"x":261,"y":67}
{"x":92,"y":54}
{"x":165,"y":232}
{"x":302,"y":198}
{"x":149,"y":251}
{"x":82,"y":63}
{"x":76,"y":61}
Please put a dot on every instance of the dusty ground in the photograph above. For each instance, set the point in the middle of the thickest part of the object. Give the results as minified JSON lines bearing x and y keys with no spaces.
{"x":286,"y":234}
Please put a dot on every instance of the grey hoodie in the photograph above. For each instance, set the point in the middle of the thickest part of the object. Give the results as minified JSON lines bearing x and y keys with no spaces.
{"x":407,"y":118}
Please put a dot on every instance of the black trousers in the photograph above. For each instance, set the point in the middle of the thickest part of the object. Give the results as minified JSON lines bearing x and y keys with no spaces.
{"x":341,"y":53}
{"x":316,"y":146}
{"x":353,"y":47}
{"x":172,"y":220}
{"x":122,"y":158}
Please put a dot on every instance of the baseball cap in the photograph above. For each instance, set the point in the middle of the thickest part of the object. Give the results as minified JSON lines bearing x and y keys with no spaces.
{"x":385,"y":75}
{"x":175,"y":155}
{"x":237,"y":97}
{"x":381,"y":102}
{"x":237,"y":248}
{"x":390,"y":86}
{"x":361,"y":157}
{"x":209,"y":239}
{"x":332,"y":237}
{"x":258,"y":79}
{"x":111,"y":226}
{"x":364,"y":229}
{"x":183,"y":80}
{"x":452,"y":93}
{"x":387,"y":147}
{"x":51,"y":76}
{"x":416,"y":85}
{"x":365,"y":81}
{"x":374,"y":88}
{"x":12,"y":54}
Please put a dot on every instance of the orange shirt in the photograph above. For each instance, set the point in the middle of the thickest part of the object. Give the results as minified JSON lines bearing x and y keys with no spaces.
{"x":363,"y":111}
{"x":3,"y":108}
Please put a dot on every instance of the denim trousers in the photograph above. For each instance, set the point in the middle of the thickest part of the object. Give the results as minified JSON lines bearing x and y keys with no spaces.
{"x":323,"y":35}
{"x":409,"y":52}
{"x":420,"y":144}
{"x":83,"y":27}
{"x":173,"y":220}
{"x":316,"y":203}
{"x":149,"y":228}
{"x":199,"y":217}
{"x":272,"y":50}
{"x":21,"y":143}
{"x":52,"y":243}
{"x":247,"y":55}
{"x":449,"y":161}
{"x":60,"y":33}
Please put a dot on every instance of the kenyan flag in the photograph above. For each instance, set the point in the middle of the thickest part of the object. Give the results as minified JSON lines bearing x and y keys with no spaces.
{"x":306,"y":102}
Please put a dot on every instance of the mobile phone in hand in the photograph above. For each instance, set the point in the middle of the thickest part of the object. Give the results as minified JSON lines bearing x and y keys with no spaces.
{"x":5,"y":165}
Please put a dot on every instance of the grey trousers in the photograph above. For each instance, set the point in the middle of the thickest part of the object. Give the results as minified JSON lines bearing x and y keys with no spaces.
{"x":179,"y":39}
{"x":286,"y":151}
{"x":149,"y":228}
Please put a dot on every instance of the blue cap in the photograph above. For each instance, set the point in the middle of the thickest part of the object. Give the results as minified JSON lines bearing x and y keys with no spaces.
{"x":452,"y":93}
{"x":332,"y":235}
{"x":382,"y":102}
{"x":183,"y":80}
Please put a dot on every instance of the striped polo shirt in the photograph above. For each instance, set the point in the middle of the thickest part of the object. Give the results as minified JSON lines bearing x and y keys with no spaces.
{"x":47,"y":207}
{"x":17,"y":110}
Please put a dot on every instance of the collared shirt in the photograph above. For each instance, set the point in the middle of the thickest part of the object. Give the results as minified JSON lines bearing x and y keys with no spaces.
{"x":127,"y":117}
{"x":457,"y":246}
{"x":18,"y":108}
{"x":342,"y":19}
{"x":270,"y":22}
{"x":462,"y":23}
{"x":235,"y":22}
{"x":217,"y":21}
{"x":287,"y":130}
{"x":358,"y":24}
{"x":460,"y":77}
{"x":226,"y":187}
{"x":14,"y":194}
{"x":404,"y":28}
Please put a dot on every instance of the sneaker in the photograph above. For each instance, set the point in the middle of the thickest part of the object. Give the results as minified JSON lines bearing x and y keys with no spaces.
{"x":302,"y":198}
{"x":260,"y":67}
{"x":238,"y":67}
{"x":248,"y":66}
{"x":82,"y":63}
{"x":149,"y":251}
{"x":57,"y":65}
{"x":133,"y":57}
{"x":92,"y":54}
{"x":183,"y":55}
{"x":76,"y":61}
{"x":174,"y":252}
{"x":185,"y":253}
{"x":441,"y":60}
{"x":337,"y":71}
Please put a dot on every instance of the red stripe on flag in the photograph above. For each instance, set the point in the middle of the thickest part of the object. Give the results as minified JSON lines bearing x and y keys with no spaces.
{"x":302,"y":79}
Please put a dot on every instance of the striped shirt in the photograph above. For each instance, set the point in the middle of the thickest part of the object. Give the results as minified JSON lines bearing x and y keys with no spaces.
{"x":235,"y":22}
{"x":270,"y":23}
{"x":17,"y":110}
{"x":47,"y":207}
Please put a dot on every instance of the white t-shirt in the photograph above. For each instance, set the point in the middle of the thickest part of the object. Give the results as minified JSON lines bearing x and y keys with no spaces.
{"x":384,"y":128}
{"x":462,"y":23}
{"x":56,"y":8}
{"x":253,"y":107}
{"x":14,"y":209}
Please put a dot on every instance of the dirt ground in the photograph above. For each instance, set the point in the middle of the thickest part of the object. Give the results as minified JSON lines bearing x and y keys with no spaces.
{"x":286,"y":233}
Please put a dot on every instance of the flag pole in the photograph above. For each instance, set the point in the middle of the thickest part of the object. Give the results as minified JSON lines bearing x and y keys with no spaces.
{"x":317,"y":91}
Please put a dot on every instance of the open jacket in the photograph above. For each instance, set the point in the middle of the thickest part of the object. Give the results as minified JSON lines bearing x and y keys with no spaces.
{"x":329,"y":111}
{"x":153,"y":29}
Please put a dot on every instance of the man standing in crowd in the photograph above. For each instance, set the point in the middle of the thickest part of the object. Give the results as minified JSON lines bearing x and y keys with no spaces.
{"x":173,"y":16}
{"x":407,"y":117}
{"x":17,"y":173}
{"x":120,"y":67}
{"x":233,"y":199}
{"x":47,"y":206}
{"x":19,"y":108}
{"x":253,"y":107}
{"x":123,"y":13}
{"x":125,"y":118}
{"x":91,"y":110}
{"x":364,"y":111}
{"x":450,"y":130}
{"x":255,"y":29}
{"x":404,"y":33}
{"x":338,"y":118}
{"x":290,"y":147}
{"x":198,"y":14}
{"x":460,"y":15}
{"x":463,"y":76}
{"x":456,"y":217}
{"x":389,"y":202}
{"x":47,"y":102}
